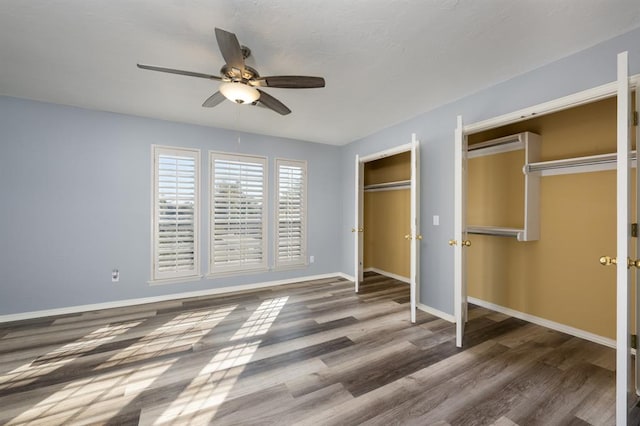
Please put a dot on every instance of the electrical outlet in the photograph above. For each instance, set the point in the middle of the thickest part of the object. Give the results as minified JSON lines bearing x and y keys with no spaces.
{"x":115,"y":276}
{"x":312,"y":259}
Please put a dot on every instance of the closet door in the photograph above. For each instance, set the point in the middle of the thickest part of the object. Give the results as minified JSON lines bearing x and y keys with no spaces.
{"x":626,"y":396}
{"x":460,"y":241}
{"x":636,"y":128}
{"x":415,"y":226}
{"x":358,"y":229}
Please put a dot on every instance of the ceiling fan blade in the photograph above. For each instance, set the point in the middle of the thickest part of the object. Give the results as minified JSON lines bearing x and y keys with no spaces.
{"x":230,"y":49}
{"x":180,"y":72}
{"x":272,"y":103}
{"x":290,"y":82}
{"x":213,"y":100}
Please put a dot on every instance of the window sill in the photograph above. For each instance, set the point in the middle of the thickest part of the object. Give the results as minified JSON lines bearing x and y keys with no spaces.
{"x":176,"y":280}
{"x":290,"y":267}
{"x":224,"y":274}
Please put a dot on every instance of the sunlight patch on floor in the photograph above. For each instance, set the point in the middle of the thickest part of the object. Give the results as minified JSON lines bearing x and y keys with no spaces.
{"x":32,"y":371}
{"x":183,"y":331}
{"x":199,"y":402}
{"x":103,"y":396}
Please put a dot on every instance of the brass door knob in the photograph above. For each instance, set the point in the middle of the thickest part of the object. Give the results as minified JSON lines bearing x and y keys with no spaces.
{"x":407,"y":237}
{"x":453,"y":242}
{"x":466,"y":243}
{"x":360,"y":229}
{"x":607,"y":261}
{"x":419,"y":237}
{"x":353,"y":229}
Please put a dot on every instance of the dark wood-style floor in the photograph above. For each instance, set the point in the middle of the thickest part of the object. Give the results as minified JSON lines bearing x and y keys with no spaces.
{"x":311,"y":353}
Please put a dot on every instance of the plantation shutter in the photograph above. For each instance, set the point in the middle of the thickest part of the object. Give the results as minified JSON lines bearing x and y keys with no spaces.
{"x":291,"y":203}
{"x":175,"y":220}
{"x":238,"y":213}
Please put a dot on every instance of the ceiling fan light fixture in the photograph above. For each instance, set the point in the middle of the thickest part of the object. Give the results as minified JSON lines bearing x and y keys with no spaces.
{"x":239,"y":93}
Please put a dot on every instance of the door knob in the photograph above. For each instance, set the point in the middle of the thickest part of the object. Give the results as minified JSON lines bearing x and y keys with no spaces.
{"x":453,"y":242}
{"x":608,"y":260}
{"x":419,"y":237}
{"x":407,"y":237}
{"x":466,"y":243}
{"x":353,"y":229}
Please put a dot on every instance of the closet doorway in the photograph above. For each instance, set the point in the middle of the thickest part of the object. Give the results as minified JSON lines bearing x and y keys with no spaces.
{"x":533,"y":252}
{"x":397,"y":189}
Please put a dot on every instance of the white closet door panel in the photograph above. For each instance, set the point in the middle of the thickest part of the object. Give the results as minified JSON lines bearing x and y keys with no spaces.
{"x":358,"y":223}
{"x":460,"y":231}
{"x":416,"y":239}
{"x":625,"y":389}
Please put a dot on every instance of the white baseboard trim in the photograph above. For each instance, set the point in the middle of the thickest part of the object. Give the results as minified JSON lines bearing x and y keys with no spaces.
{"x":545,"y":323}
{"x":345,"y":276}
{"x":433,"y":311}
{"x":163,"y":298}
{"x":389,"y":274}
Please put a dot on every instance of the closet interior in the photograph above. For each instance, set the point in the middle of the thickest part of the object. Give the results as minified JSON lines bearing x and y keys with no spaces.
{"x":387,"y":205}
{"x":541,"y":208}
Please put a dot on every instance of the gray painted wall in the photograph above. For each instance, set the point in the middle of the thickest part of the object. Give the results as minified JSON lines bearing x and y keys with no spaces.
{"x":581,"y":71}
{"x":76,"y":186}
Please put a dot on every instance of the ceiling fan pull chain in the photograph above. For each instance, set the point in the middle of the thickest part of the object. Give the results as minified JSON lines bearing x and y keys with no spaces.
{"x":238,"y":121}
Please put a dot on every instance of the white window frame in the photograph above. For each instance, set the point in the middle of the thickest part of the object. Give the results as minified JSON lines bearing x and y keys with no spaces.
{"x":242,"y":267}
{"x":302,"y":260}
{"x":164,"y":277}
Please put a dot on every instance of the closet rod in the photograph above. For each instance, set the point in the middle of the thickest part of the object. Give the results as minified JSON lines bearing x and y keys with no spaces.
{"x":505,"y":140}
{"x":592,"y":160}
{"x":496,"y":231}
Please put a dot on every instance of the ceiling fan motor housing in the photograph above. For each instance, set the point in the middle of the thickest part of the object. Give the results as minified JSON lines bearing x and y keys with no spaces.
{"x":232,"y":74}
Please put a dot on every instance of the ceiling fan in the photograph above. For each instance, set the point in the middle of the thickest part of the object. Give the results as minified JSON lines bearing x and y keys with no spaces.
{"x":240,"y":82}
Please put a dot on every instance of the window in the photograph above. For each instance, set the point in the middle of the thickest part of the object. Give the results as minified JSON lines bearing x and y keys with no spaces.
{"x":238,"y":213}
{"x":291,"y":205}
{"x":176,"y":178}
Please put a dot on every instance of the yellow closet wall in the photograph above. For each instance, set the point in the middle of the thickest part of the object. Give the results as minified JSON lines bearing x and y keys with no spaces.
{"x":558,"y":277}
{"x":386,"y":216}
{"x":389,"y":169}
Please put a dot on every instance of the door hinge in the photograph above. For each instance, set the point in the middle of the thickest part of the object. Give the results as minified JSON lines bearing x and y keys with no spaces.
{"x":634,"y":341}
{"x":634,"y":230}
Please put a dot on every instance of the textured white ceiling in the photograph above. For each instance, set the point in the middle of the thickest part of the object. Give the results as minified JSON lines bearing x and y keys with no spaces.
{"x":384,"y":61}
